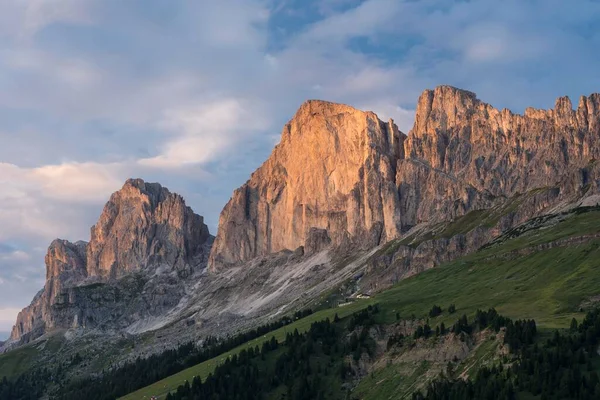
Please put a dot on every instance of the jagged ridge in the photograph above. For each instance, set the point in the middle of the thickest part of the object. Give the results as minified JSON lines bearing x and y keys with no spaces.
{"x":354,"y":180}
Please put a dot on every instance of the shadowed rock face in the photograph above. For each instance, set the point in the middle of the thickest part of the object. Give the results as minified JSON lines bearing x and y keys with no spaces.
{"x":363,"y":182}
{"x":142,"y":228}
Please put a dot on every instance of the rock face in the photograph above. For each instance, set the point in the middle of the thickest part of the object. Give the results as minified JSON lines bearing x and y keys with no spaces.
{"x":145,"y":230}
{"x":462,"y":153}
{"x":342,"y":174}
{"x":143,"y":223}
{"x":333,"y":171}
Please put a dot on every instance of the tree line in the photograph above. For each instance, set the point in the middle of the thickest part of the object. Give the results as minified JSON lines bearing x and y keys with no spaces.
{"x":145,"y":371}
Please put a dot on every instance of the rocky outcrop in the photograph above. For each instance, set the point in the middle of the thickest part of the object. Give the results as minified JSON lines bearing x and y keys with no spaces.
{"x":146,"y":242}
{"x":360,"y":181}
{"x":143,"y":223}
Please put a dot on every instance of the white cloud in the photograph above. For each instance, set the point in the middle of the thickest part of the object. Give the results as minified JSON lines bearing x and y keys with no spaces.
{"x":493,"y":42}
{"x":403,"y":118}
{"x":78,"y":182}
{"x":24,"y":18}
{"x":203,"y":132}
{"x":16,"y":255}
{"x":41,"y":13}
{"x":367,"y":19}
{"x":43,"y":202}
{"x":8,"y":316}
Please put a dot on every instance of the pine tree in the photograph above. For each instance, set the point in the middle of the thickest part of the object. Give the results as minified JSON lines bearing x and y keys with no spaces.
{"x":573,"y":325}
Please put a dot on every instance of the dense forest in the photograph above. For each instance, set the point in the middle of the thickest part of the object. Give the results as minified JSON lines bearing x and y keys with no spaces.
{"x":29,"y":386}
{"x":303,"y":369}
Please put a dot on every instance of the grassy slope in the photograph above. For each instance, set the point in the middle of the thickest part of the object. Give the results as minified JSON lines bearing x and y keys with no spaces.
{"x":162,"y":387}
{"x":546,"y":285}
{"x":395,"y":381}
{"x":18,"y":361}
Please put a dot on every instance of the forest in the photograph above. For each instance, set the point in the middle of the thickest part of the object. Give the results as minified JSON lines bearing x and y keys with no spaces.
{"x":303,"y":369}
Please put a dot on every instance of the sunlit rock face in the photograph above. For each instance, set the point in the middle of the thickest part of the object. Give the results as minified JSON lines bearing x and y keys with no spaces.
{"x":334,"y":170}
{"x":144,"y":223}
{"x":357,"y":180}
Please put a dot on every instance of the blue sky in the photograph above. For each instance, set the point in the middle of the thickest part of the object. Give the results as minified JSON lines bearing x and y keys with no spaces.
{"x":194,"y":94}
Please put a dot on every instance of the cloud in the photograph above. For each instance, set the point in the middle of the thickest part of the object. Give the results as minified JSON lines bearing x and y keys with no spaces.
{"x":8,"y":316}
{"x":385,"y":110}
{"x":16,"y":255}
{"x":24,"y":19}
{"x":204,"y":132}
{"x":368,"y":18}
{"x":67,"y":71}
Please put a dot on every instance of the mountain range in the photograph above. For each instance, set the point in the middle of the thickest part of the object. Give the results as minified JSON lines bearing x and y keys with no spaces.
{"x":345,"y":202}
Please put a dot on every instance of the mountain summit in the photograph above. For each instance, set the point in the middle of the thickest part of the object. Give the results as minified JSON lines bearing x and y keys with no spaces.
{"x":143,"y":229}
{"x":329,"y":180}
{"x":340,"y":183}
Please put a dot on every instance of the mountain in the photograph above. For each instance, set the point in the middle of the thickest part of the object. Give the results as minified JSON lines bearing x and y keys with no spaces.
{"x":144,"y":245}
{"x":342,"y":178}
{"x":329,"y":180}
{"x":345,"y":206}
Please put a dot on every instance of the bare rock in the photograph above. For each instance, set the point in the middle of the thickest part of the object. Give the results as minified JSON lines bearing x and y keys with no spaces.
{"x":344,"y":171}
{"x":143,"y":223}
{"x":144,"y":245}
{"x":333,"y":169}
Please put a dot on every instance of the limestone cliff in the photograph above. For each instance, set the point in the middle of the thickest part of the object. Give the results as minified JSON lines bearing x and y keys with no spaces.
{"x":462,"y":153}
{"x":143,"y":223}
{"x":143,"y":229}
{"x":333,"y":170}
{"x":349,"y":178}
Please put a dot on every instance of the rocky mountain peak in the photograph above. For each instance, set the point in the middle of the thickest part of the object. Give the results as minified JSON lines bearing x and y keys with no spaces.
{"x":142,"y":228}
{"x":340,"y":174}
{"x":66,"y":260}
{"x":144,"y":223}
{"x":329,"y":180}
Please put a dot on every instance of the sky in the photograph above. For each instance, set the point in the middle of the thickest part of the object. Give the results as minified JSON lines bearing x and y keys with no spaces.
{"x":193,"y":94}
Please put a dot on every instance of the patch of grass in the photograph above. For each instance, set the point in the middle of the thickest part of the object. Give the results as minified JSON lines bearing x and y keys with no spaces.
{"x":14,"y":363}
{"x":164,"y":386}
{"x":464,"y":224}
{"x":484,"y":355}
{"x":395,"y":381}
